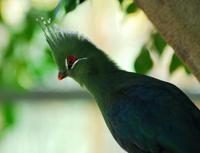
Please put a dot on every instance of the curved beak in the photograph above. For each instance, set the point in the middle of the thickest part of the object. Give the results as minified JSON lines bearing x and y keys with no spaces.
{"x":62,"y":75}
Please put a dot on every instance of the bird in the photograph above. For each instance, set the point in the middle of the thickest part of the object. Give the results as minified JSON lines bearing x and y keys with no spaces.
{"x":143,"y":114}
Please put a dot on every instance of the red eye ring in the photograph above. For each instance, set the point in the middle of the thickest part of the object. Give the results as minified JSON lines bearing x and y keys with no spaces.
{"x":70,"y":61}
{"x":71,"y":58}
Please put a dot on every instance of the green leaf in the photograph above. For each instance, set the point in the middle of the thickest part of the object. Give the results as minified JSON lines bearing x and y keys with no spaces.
{"x":120,"y":1}
{"x":10,"y":48}
{"x":132,"y":8}
{"x":81,"y":1}
{"x":143,"y":62}
{"x":159,"y":43}
{"x":9,"y":113}
{"x":48,"y":58}
{"x":30,"y":27}
{"x":187,"y":70}
{"x":175,"y":64}
{"x":70,"y":5}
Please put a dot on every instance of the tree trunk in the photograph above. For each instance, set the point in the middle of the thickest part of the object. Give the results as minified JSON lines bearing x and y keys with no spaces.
{"x":178,"y":21}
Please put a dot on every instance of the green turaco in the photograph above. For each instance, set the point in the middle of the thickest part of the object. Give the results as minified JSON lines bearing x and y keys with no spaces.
{"x":144,"y":114}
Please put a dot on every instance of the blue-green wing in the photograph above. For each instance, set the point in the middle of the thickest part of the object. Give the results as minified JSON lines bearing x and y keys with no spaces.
{"x":155,"y":116}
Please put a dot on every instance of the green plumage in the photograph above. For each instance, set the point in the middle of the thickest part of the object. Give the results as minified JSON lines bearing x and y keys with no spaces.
{"x":144,"y":115}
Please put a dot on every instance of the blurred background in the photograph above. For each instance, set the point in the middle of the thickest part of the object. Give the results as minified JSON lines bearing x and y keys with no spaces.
{"x":38,"y":113}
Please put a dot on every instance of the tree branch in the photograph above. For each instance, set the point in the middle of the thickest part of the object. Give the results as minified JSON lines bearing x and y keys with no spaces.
{"x":178,"y":21}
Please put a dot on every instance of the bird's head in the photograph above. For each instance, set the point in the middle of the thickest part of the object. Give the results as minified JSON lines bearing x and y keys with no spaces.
{"x":70,"y":50}
{"x":75,"y":55}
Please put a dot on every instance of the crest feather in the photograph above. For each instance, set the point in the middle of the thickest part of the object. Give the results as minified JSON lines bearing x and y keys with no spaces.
{"x":61,"y":42}
{"x":56,"y":36}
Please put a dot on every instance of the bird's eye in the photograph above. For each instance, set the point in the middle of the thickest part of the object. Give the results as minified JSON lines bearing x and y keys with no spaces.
{"x":70,"y":61}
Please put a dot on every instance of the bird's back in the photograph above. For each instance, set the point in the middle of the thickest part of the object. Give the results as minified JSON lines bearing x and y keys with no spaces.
{"x":153,"y":116}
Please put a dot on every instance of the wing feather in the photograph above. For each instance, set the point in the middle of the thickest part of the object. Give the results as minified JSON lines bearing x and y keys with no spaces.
{"x":156,"y":116}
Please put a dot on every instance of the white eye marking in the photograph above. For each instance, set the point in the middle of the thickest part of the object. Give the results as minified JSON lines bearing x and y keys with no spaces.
{"x":78,"y":60}
{"x":66,"y":63}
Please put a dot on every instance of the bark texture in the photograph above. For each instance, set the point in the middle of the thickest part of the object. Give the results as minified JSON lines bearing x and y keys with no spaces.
{"x":178,"y":21}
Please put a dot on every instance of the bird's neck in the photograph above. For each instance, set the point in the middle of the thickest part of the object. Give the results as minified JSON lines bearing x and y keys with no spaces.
{"x":97,"y":75}
{"x":100,"y":86}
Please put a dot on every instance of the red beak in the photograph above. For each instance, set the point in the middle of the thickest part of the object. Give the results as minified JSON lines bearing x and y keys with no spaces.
{"x":61,"y":75}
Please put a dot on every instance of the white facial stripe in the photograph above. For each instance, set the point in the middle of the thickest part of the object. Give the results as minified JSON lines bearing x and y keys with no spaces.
{"x":78,"y":60}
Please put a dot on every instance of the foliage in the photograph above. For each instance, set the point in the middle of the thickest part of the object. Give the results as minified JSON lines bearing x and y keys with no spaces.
{"x":8,"y":113}
{"x":175,"y":64}
{"x":143,"y":62}
{"x":19,"y":69}
{"x":159,"y":43}
{"x":70,"y":5}
{"x":132,"y":8}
